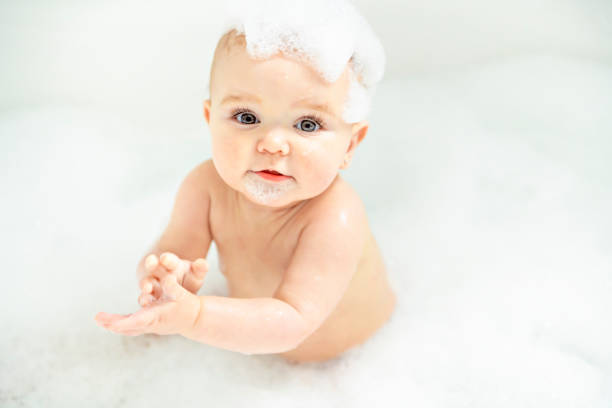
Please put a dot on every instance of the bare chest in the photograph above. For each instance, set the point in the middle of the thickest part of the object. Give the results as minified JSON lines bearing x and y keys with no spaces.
{"x":253,"y":260}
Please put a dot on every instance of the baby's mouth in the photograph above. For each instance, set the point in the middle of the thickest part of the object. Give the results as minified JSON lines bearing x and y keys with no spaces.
{"x":272,"y":175}
{"x":270,"y":171}
{"x":273,"y":172}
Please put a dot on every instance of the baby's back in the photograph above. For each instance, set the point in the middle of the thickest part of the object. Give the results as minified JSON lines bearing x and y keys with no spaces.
{"x":255,"y":253}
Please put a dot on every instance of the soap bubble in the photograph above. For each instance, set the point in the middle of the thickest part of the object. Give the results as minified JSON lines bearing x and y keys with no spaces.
{"x":325,"y":34}
{"x":264,"y":191}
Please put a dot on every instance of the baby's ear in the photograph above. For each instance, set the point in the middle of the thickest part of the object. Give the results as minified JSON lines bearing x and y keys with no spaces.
{"x":358,"y":132}
{"x":207,"y":110}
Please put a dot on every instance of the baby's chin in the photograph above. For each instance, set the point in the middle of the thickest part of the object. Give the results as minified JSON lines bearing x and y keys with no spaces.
{"x":268,"y":193}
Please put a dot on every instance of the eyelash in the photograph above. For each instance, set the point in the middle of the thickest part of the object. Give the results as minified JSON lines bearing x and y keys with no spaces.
{"x":313,"y":117}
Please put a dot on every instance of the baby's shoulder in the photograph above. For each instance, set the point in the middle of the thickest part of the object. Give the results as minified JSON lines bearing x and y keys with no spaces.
{"x":340,"y":203}
{"x":206,"y":177}
{"x":205,"y":169}
{"x":339,"y":216}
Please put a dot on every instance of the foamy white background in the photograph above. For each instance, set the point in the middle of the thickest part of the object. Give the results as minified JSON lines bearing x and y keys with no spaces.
{"x":486,"y":175}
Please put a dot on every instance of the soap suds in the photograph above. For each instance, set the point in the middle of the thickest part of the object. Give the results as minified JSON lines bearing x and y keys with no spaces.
{"x":264,"y":191}
{"x":325,"y":34}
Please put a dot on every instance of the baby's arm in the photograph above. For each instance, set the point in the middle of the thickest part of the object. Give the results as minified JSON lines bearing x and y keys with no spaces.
{"x":187,"y":234}
{"x":320,"y":270}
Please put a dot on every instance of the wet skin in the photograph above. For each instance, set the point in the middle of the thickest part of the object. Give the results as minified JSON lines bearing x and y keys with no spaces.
{"x":298,"y":247}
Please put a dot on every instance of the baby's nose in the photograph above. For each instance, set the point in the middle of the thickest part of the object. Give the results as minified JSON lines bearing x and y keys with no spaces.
{"x":273,"y":142}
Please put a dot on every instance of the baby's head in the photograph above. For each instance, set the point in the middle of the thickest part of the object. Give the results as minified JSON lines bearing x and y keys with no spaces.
{"x":290,"y":87}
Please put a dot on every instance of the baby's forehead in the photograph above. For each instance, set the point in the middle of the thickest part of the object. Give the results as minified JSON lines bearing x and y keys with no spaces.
{"x":281,"y":77}
{"x":282,"y":81}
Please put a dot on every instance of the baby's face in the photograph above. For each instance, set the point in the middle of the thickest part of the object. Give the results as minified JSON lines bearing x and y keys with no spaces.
{"x":277,"y":114}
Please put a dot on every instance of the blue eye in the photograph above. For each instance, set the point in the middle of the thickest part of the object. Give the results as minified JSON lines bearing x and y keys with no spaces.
{"x":308,"y":125}
{"x":249,"y":117}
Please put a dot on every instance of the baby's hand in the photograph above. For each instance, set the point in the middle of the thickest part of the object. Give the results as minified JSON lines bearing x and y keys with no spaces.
{"x":176,"y":312}
{"x":188,"y":274}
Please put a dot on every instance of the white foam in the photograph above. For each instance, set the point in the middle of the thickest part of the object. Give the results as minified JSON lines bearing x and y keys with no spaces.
{"x":326,"y":34}
{"x":264,"y":191}
{"x":496,"y":233}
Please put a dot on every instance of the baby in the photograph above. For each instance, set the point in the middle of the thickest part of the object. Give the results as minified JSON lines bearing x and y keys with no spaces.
{"x":305,"y":276}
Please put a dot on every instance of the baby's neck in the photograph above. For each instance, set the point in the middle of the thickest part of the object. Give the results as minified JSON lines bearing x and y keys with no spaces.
{"x":262,"y":214}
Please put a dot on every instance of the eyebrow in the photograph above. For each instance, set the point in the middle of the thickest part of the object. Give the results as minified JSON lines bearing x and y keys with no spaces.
{"x":238,"y":98}
{"x":322,"y":107}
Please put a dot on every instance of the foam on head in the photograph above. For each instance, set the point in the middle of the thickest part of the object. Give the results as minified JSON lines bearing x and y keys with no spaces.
{"x":325,"y":34}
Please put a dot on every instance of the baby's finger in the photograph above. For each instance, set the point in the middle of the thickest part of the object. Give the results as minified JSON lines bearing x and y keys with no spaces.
{"x":126,"y":332}
{"x":103,"y":317}
{"x":106,"y":319}
{"x":146,"y":284}
{"x":199,"y":267}
{"x":150,"y":286}
{"x":176,"y":266}
{"x":172,"y":288}
{"x":169,"y":264}
{"x":157,"y":289}
{"x":151,"y":262}
{"x":145,"y":299}
{"x":169,"y":260}
{"x":159,"y":273}
{"x":133,"y":321}
{"x":194,"y":279}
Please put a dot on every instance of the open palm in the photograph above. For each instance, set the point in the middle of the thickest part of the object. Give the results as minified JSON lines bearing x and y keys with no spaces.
{"x":176,"y":312}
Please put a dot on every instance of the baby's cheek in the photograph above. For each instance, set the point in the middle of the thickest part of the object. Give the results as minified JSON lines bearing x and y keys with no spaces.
{"x":320,"y":168}
{"x":307,"y":150}
{"x":225,"y":154}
